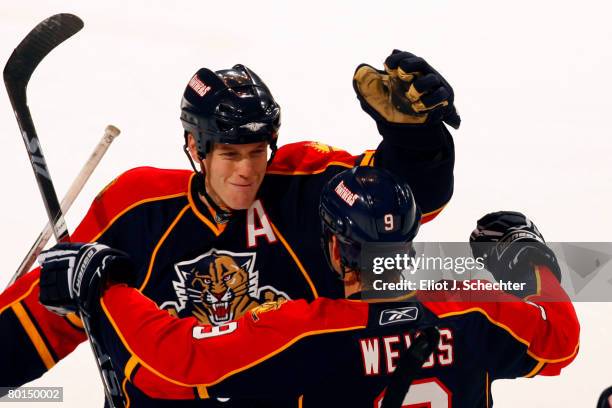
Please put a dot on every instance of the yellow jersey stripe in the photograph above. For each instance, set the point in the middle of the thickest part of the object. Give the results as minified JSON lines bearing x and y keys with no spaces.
{"x":159,"y":244}
{"x":296,"y":260}
{"x":35,"y":337}
{"x":136,"y":204}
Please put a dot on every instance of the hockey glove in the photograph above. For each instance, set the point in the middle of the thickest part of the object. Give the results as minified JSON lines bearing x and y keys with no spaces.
{"x":511,"y":245}
{"x":73,"y":274}
{"x":409,"y":367}
{"x":408,"y":92}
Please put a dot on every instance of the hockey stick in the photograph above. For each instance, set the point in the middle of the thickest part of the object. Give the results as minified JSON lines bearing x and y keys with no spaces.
{"x":409,"y":366}
{"x":19,"y":68}
{"x":110,"y":133}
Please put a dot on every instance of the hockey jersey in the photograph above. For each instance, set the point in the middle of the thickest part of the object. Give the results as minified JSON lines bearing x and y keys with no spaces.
{"x":336,"y":353}
{"x":185,"y":253}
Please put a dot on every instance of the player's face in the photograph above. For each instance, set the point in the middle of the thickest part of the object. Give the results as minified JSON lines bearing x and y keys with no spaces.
{"x":235,"y":172}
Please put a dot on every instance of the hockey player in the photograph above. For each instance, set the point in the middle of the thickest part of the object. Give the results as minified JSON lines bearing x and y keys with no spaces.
{"x":334,"y":353}
{"x":243,"y":228}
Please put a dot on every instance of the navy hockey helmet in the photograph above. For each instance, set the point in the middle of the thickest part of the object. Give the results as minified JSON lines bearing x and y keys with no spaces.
{"x":366,"y":204}
{"x":231,"y":106}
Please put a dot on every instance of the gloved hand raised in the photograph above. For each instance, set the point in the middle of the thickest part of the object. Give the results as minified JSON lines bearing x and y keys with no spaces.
{"x":408,"y":92}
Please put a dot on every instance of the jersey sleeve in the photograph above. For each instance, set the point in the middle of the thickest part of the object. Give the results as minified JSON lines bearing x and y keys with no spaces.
{"x":424,"y":156}
{"x":428,"y":168}
{"x":514,"y":338}
{"x":167,"y":357}
{"x":33,"y":339}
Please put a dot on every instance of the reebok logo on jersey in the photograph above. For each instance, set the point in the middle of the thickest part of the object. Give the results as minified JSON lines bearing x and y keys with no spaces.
{"x":345,"y":194}
{"x":400,"y":315}
{"x":198,"y":86}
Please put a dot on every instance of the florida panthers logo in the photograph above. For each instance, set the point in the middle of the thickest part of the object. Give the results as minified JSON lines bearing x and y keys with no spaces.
{"x":219,"y":286}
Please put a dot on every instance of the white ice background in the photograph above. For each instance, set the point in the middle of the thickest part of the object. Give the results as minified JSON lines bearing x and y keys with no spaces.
{"x":532,"y":84}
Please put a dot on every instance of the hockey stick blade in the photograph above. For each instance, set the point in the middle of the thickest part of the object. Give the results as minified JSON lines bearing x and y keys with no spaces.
{"x":37,"y":44}
{"x":21,"y":64}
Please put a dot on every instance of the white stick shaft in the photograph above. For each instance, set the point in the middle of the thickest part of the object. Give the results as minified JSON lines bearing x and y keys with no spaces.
{"x":110,"y":133}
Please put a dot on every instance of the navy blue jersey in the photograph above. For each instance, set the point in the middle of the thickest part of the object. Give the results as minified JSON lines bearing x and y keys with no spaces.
{"x":194,"y":263}
{"x":332,"y":353}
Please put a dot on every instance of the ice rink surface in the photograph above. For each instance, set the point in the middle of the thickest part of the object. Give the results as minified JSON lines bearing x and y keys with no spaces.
{"x":532,"y":84}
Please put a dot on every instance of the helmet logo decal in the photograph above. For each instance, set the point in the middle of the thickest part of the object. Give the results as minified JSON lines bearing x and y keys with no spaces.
{"x":253,"y":126}
{"x":345,"y":194}
{"x":198,"y":86}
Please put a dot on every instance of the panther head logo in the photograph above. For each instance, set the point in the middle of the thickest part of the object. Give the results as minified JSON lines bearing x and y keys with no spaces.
{"x":219,"y":286}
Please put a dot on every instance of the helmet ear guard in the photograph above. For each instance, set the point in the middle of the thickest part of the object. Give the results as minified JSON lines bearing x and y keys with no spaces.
{"x":349,"y":251}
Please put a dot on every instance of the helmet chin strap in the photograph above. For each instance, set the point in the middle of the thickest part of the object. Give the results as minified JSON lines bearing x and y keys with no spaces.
{"x":186,"y":150}
{"x":221,"y":215}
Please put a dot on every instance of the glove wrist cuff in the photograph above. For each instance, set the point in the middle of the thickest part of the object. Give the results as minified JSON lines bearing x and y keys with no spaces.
{"x":416,"y":137}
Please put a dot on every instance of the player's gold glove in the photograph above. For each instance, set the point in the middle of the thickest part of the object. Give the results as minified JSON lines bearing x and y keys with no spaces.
{"x":408,"y":92}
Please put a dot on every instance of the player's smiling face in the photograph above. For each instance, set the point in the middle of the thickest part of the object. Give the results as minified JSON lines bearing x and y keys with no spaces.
{"x":235,"y":172}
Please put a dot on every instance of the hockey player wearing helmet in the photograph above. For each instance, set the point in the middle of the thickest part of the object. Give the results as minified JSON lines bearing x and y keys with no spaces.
{"x":210,"y":243}
{"x":230,"y":118}
{"x":334,"y":353}
{"x":361,"y":206}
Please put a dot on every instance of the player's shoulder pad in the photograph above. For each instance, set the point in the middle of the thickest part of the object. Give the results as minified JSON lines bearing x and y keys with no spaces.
{"x":143,"y":183}
{"x":131,"y":189}
{"x":303,"y":158}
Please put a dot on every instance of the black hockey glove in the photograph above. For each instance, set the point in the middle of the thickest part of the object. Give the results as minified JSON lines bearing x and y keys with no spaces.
{"x":408,"y":92}
{"x":511,"y":245}
{"x":72,"y":275}
{"x":409,"y":367}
